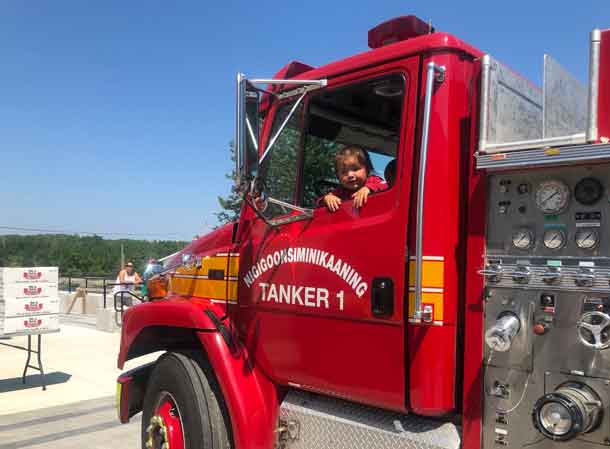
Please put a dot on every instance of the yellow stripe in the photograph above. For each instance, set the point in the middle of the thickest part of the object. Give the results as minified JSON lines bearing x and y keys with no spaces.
{"x":436,"y":299}
{"x":207,"y":288}
{"x":432,"y":273}
{"x":204,"y":288}
{"x":214,"y":263}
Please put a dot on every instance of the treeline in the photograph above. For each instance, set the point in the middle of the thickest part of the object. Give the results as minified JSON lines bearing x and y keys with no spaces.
{"x":80,"y":255}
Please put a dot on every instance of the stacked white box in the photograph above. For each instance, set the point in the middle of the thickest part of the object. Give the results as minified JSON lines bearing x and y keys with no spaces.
{"x":29,"y":300}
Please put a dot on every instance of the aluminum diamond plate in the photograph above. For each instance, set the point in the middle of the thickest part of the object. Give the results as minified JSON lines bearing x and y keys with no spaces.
{"x":326,"y":422}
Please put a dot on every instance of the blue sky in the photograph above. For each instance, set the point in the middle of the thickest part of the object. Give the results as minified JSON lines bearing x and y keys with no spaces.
{"x":115,"y":117}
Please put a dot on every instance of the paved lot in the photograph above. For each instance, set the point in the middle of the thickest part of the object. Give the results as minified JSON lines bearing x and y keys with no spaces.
{"x":82,"y":425}
{"x":77,"y":410}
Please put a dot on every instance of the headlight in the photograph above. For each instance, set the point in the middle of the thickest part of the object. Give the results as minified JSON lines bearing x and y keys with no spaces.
{"x":569,"y":411}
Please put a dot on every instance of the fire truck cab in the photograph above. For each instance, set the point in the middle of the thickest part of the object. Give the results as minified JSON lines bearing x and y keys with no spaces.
{"x":464,"y":304}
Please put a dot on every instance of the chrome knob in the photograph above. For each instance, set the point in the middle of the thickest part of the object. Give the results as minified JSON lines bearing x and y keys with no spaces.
{"x":522,"y":274}
{"x":593,"y":330}
{"x":552,"y":275}
{"x":500,"y":336}
{"x":492,"y":272}
{"x":585,"y":277}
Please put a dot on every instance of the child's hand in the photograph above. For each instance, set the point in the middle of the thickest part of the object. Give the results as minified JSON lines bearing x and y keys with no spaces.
{"x":332,"y":202}
{"x":360,"y":197}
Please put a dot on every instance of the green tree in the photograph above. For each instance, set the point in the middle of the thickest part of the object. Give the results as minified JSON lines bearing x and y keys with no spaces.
{"x":231,"y":204}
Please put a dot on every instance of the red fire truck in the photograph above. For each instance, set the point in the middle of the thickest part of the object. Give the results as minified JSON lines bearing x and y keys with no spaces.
{"x":466,"y":304}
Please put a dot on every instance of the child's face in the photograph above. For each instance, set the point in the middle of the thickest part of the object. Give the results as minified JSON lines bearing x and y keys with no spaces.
{"x":351,"y":173}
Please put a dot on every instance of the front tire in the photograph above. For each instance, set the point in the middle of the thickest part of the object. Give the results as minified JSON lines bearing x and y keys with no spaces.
{"x":183,"y":407}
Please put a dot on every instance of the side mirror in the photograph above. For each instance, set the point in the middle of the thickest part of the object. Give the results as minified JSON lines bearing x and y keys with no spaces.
{"x":246,"y":131}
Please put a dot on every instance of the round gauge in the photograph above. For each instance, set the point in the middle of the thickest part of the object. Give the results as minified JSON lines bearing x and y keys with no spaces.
{"x":554,"y":239}
{"x":552,"y":196}
{"x":523,"y":238}
{"x":588,"y":191}
{"x":587,"y":238}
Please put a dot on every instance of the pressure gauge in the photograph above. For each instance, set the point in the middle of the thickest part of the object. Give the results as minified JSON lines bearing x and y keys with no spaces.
{"x":554,"y":239}
{"x":587,"y":238}
{"x":588,"y":191}
{"x":552,"y":196}
{"x":523,"y":238}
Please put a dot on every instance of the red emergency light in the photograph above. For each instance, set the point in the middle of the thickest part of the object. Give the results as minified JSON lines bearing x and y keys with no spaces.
{"x":398,"y":29}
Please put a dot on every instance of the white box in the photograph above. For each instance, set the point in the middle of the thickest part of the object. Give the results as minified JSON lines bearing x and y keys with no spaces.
{"x":29,"y":325}
{"x":29,"y":275}
{"x":37,"y":290}
{"x":14,"y":307}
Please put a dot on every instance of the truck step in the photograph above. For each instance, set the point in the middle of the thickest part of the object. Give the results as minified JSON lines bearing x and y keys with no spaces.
{"x":315,"y":421}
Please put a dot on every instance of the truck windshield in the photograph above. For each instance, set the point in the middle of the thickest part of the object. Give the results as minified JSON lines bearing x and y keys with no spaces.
{"x":280,"y":167}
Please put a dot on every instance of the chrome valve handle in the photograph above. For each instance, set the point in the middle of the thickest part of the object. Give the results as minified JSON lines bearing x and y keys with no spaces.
{"x":552,"y":275}
{"x":585,"y":277}
{"x":592,"y":330}
{"x":492,"y":272}
{"x":521,"y":274}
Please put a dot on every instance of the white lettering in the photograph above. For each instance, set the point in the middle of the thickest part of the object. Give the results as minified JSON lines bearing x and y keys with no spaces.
{"x":284,"y":294}
{"x":361,"y":289}
{"x":310,"y":294}
{"x":263,"y":286}
{"x":304,"y":255}
{"x":322,"y":297}
{"x":296,"y":295}
{"x":337,"y":267}
{"x":272,"y":293}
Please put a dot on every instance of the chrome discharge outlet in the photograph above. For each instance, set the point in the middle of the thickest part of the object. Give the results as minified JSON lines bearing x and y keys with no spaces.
{"x":571,"y":410}
{"x":500,"y":336}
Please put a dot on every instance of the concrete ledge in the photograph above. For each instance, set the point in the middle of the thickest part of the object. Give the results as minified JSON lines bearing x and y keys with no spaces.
{"x":108,"y":320}
{"x":94,"y":301}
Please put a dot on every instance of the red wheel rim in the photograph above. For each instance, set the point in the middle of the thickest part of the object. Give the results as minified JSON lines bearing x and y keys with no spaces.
{"x":165,"y":430}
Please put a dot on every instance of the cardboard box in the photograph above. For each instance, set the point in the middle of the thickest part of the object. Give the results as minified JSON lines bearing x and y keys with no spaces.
{"x":14,"y":307}
{"x":29,"y":275}
{"x":29,"y":325}
{"x":23,"y":291}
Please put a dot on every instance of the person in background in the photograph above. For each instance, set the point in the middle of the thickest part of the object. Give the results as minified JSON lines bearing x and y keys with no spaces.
{"x":390,"y":173}
{"x":126,"y":281}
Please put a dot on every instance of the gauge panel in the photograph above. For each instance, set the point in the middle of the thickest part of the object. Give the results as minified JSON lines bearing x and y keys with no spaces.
{"x":544,"y":212}
{"x":587,"y":238}
{"x":523,"y":239}
{"x":554,"y":238}
{"x":552,"y":196}
{"x":588,"y":191}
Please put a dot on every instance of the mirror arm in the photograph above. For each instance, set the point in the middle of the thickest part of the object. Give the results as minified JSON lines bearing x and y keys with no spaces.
{"x":281,"y":128}
{"x":290,"y":206}
{"x":251,"y":133}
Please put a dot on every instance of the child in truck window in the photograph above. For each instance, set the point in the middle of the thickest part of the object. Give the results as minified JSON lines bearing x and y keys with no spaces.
{"x":353,"y":167}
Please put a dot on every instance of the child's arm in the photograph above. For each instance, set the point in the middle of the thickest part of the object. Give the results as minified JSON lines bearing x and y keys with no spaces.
{"x":373,"y":184}
{"x":331,"y":201}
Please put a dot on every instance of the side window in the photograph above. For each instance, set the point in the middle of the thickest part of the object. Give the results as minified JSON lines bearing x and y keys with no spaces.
{"x":281,"y":168}
{"x":366,"y":114}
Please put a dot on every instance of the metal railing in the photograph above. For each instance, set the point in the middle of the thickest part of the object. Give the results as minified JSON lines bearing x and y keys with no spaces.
{"x":95,"y":284}
{"x":126,"y":291}
{"x":124,"y":298}
{"x":92,"y":283}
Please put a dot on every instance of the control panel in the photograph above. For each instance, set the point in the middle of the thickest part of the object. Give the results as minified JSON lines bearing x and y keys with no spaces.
{"x":547,"y":308}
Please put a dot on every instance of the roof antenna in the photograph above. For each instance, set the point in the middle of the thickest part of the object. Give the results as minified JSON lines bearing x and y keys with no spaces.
{"x":430,"y":26}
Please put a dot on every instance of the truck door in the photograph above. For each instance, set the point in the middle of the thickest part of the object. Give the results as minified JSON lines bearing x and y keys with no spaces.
{"x":322,"y":300}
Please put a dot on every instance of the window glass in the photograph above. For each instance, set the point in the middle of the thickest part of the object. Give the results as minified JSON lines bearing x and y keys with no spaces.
{"x":366,"y":114}
{"x":281,"y":164}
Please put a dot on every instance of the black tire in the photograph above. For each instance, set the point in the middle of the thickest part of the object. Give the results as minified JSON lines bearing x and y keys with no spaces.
{"x":190,"y":381}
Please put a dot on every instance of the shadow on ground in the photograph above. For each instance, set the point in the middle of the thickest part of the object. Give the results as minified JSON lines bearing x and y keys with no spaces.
{"x":33,"y":381}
